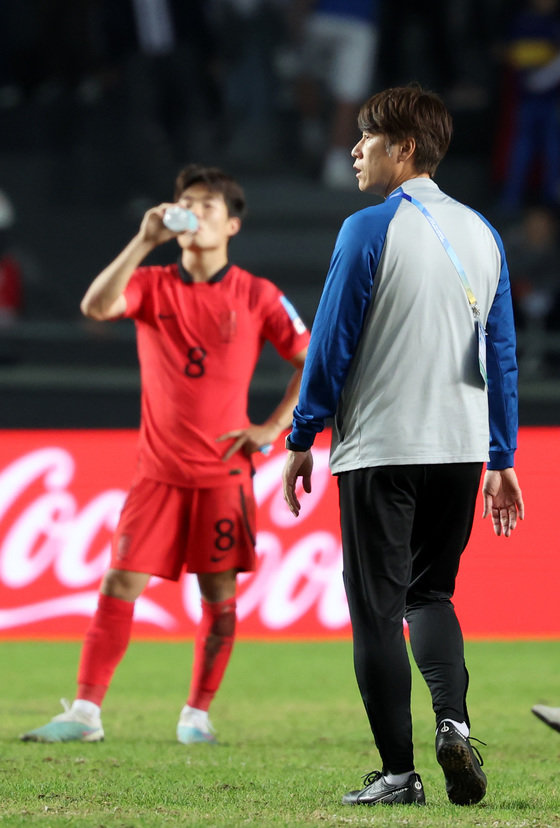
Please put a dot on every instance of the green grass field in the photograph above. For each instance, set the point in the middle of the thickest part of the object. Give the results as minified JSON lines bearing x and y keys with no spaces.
{"x":293,"y":739}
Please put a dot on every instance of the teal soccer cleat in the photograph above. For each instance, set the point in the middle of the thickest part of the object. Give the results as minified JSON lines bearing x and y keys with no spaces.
{"x":67,"y":727}
{"x":193,"y":727}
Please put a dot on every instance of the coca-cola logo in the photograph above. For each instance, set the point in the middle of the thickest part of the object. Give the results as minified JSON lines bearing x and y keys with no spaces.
{"x":55,"y":546}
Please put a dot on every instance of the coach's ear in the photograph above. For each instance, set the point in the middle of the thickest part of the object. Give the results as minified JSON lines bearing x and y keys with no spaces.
{"x":407,"y":149}
{"x":234,"y":226}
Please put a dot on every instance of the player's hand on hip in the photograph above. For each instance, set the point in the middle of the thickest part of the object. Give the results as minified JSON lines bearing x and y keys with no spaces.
{"x":298,"y":464}
{"x":249,"y":440}
{"x":503,"y":500}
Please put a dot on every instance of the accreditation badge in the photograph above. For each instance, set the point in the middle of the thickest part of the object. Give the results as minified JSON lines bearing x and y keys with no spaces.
{"x":481,"y":336}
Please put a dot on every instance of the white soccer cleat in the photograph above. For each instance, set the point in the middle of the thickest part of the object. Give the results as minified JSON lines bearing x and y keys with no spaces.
{"x":69,"y":726}
{"x":194,"y":726}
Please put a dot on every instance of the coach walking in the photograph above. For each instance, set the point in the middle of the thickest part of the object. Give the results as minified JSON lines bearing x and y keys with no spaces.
{"x":413,"y":354}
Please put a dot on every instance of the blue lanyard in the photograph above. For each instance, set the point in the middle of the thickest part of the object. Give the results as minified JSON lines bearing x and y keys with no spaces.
{"x":446,"y":246}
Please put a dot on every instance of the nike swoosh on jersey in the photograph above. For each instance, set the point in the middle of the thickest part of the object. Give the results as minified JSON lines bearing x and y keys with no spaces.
{"x":217,"y":558}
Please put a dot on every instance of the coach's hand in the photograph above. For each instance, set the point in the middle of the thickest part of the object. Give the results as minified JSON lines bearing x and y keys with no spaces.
{"x":298,"y":464}
{"x":503,"y":500}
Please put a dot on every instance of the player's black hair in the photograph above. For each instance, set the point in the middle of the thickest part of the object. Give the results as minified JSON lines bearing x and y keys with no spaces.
{"x":217,"y":181}
{"x":410,"y":112}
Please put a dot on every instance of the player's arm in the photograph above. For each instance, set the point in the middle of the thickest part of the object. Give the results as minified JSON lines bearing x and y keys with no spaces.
{"x":255,"y":437}
{"x":104,"y":299}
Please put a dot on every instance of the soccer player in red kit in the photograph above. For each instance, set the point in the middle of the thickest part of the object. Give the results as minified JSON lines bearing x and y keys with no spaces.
{"x":200,"y":325}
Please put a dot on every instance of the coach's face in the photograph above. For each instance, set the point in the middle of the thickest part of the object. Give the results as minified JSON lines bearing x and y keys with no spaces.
{"x":215,"y":225}
{"x":375,"y":164}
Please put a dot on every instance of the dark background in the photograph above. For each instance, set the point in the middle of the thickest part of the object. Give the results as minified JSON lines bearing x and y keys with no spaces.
{"x":93,"y":131}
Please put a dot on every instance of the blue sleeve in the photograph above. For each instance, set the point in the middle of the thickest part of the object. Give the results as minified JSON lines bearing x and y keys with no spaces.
{"x":340,"y":318}
{"x":502,"y":371}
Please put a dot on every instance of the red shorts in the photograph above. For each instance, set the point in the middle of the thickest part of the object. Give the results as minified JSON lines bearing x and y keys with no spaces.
{"x":164,"y":529}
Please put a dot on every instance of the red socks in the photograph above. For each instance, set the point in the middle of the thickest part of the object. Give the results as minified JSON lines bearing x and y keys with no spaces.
{"x":104,"y":645}
{"x":109,"y":633}
{"x":213,"y":644}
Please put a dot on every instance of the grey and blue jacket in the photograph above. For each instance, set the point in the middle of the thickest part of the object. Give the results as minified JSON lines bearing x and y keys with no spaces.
{"x":393,"y":357}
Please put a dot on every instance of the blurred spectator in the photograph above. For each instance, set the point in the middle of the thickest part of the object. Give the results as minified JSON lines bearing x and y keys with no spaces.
{"x":12,"y":37}
{"x":533,"y":250}
{"x":47,"y":49}
{"x":442,"y":44}
{"x":250,"y":35}
{"x":24,"y":293}
{"x":338,"y":49}
{"x":531,"y":53}
{"x":65,"y":49}
{"x":11,"y":277}
{"x":162,"y":51}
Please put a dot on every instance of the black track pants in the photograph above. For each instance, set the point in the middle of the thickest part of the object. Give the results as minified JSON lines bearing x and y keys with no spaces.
{"x":403,"y":531}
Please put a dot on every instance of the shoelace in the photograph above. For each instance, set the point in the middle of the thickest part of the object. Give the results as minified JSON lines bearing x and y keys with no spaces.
{"x":371,"y":777}
{"x":472,"y":739}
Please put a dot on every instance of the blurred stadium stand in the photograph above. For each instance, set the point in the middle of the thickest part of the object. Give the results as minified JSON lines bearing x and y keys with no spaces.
{"x":70,"y":178}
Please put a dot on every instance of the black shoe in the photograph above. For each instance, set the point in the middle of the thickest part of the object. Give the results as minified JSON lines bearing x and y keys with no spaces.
{"x":379,"y":791}
{"x":465,"y":782}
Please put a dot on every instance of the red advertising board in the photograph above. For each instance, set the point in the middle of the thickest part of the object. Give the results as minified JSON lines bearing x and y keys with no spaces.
{"x":60,"y":497}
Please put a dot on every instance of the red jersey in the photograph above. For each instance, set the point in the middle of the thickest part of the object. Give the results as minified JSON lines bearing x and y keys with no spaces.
{"x":198,"y":345}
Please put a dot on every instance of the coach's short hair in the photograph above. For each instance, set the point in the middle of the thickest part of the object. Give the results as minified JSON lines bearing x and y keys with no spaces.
{"x":410,"y":112}
{"x":217,"y":181}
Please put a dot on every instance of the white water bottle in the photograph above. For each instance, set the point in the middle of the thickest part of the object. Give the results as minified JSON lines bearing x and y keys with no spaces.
{"x":179,"y":219}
